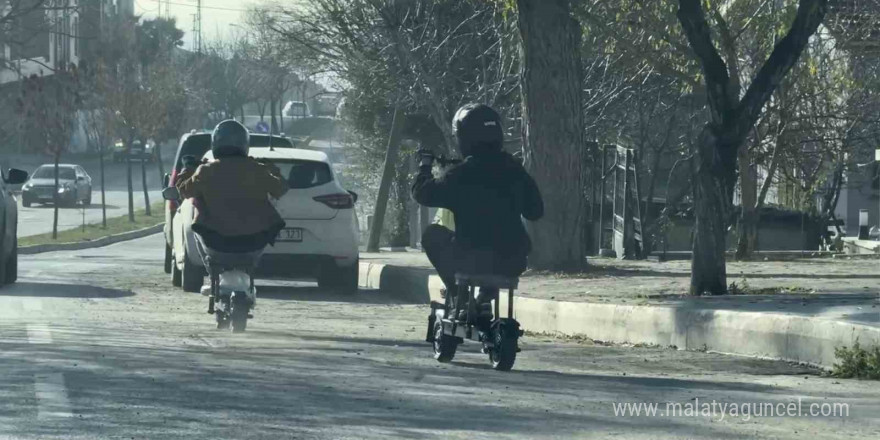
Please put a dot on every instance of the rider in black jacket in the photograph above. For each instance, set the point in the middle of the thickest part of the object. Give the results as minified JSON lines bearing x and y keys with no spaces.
{"x":489,"y":194}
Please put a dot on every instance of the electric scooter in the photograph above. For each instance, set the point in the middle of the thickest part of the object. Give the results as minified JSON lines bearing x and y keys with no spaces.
{"x":498,"y":336}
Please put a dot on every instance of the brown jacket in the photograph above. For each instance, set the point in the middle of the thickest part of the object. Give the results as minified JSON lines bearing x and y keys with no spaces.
{"x":232,"y":195}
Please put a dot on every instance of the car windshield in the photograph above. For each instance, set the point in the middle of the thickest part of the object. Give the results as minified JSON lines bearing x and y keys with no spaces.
{"x":295,"y":109}
{"x":48,"y":172}
{"x":199,"y":145}
{"x":303,"y":174}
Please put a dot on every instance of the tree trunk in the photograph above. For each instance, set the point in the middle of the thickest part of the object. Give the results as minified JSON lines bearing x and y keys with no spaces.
{"x":387,"y":179}
{"x":403,"y":213}
{"x":553,"y":129}
{"x":55,"y":201}
{"x":144,"y":184}
{"x":274,"y":121}
{"x":128,"y":179}
{"x":711,"y":205}
{"x":281,"y":113}
{"x":103,"y":195}
{"x":159,"y":163}
{"x":747,"y":239}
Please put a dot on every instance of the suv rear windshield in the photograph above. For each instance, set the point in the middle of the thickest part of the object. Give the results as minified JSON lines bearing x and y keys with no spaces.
{"x":199,"y":144}
{"x":64,"y":173}
{"x":303,"y":174}
{"x":262,"y":140}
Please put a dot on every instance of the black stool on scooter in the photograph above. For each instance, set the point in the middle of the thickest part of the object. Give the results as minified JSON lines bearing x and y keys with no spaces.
{"x":499,"y":337}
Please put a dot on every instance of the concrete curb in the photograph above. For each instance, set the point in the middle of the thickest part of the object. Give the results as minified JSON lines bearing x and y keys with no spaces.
{"x":103,"y":241}
{"x":766,"y":335}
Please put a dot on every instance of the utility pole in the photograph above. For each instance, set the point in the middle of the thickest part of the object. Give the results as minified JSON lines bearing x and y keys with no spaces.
{"x":387,"y":177}
{"x":199,"y":20}
{"x":195,"y":35}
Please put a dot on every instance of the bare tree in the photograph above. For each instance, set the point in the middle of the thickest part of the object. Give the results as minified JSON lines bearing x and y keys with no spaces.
{"x":731,"y":120}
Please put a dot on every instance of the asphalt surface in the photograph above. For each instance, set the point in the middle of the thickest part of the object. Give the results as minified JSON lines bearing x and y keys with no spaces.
{"x":96,"y":344}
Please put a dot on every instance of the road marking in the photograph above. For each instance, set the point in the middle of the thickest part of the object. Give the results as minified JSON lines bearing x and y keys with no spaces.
{"x":32,"y":304}
{"x":51,"y":394}
{"x":38,"y":334}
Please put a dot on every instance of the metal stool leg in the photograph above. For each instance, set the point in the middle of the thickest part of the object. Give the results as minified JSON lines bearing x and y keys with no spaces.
{"x":510,"y":303}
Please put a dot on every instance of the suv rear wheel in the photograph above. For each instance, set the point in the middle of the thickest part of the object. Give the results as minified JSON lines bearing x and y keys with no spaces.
{"x":193,"y":276}
{"x":343,"y":279}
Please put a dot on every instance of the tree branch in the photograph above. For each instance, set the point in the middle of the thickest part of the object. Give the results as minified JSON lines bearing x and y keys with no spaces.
{"x":718,"y":87}
{"x":784,"y":56}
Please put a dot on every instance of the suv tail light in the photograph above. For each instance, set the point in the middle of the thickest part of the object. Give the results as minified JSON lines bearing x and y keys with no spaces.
{"x":336,"y":201}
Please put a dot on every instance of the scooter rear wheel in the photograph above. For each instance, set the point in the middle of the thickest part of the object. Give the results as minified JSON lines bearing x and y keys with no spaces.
{"x":444,"y":345}
{"x":503,"y":354}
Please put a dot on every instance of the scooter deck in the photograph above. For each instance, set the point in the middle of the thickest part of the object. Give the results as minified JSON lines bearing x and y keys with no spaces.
{"x":459,"y":329}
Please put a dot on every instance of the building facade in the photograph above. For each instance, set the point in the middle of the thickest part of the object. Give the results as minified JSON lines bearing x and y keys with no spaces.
{"x":46,"y":35}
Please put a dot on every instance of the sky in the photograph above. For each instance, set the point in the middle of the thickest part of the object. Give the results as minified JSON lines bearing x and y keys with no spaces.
{"x":219,"y":17}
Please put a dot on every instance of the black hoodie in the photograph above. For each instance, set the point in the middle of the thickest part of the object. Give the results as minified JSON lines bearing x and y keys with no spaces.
{"x":489,"y":194}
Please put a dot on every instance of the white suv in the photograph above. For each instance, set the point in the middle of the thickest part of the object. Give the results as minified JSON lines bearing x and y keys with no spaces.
{"x":320,"y":239}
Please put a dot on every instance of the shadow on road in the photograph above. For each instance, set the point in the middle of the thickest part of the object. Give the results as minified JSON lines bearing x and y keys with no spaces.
{"x":622,"y":272}
{"x":292,"y":392}
{"x":93,"y":206}
{"x":51,"y":290}
{"x":315,"y":293}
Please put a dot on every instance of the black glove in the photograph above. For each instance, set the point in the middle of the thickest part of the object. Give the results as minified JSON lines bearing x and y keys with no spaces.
{"x":190,"y":162}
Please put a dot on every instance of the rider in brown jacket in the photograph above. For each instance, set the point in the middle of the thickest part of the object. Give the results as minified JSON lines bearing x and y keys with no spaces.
{"x":234,"y":213}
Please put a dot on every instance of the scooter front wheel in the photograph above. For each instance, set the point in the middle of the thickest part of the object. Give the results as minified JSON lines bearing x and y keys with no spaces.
{"x":444,"y":345}
{"x":222,"y":321}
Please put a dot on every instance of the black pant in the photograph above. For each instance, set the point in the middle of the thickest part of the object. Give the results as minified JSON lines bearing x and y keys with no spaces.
{"x":448,"y":258}
{"x":439,"y":245}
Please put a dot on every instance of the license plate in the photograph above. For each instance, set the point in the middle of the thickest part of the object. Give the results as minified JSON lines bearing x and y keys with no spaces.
{"x":291,"y":234}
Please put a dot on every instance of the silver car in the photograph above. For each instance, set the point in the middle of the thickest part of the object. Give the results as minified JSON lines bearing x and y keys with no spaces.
{"x":74,"y":186}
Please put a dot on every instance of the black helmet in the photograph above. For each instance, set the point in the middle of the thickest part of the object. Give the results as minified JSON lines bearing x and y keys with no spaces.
{"x":478,"y":129}
{"x":230,"y":138}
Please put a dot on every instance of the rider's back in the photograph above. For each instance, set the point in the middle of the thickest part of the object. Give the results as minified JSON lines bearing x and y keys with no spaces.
{"x":489,"y":195}
{"x":495,"y":193}
{"x":234,"y":196}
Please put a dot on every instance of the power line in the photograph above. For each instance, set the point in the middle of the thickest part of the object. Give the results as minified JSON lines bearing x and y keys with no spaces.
{"x":217,"y":8}
{"x":142,"y":7}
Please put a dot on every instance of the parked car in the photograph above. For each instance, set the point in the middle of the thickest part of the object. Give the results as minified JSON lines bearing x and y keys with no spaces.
{"x":74,"y":185}
{"x":296,"y":109}
{"x":184,"y":265}
{"x":321,"y":237}
{"x":139,"y":151}
{"x":9,"y":217}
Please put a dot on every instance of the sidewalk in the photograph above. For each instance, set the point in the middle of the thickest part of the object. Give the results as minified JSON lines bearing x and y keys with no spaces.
{"x":802,"y":309}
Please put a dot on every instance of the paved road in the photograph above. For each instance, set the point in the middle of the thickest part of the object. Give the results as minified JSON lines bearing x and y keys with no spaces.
{"x":38,"y":218}
{"x":91,"y":347}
